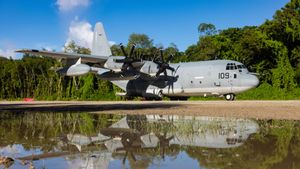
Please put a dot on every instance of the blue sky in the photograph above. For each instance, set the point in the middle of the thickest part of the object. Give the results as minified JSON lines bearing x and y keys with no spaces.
{"x":52,"y":23}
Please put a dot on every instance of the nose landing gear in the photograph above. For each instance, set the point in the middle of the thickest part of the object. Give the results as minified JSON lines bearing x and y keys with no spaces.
{"x":229,"y":97}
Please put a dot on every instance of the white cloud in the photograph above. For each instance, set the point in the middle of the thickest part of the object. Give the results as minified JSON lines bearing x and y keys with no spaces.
{"x":111,"y":43}
{"x":8,"y":53}
{"x":67,"y":5}
{"x":81,"y":33}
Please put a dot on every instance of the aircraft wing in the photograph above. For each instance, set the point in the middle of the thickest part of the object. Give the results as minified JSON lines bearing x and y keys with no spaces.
{"x":61,"y":55}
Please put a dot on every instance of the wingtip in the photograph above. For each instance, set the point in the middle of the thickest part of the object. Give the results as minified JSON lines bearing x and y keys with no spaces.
{"x":19,"y":50}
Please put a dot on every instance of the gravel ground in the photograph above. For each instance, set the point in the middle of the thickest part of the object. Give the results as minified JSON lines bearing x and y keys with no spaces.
{"x":289,"y":110}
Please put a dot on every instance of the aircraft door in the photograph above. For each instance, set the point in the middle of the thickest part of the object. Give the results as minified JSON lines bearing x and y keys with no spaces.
{"x":234,"y":81}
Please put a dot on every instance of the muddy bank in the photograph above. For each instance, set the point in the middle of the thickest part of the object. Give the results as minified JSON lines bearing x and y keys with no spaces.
{"x":245,"y":109}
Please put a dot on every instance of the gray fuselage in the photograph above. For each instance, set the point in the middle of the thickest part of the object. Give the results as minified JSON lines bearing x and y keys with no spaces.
{"x":204,"y":78}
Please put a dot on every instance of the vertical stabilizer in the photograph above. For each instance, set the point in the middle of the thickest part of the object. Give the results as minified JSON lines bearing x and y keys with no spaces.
{"x":100,"y":44}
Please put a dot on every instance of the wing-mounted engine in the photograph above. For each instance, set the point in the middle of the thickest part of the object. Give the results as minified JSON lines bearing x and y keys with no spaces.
{"x":149,"y":68}
{"x":156,"y":67}
{"x":122,"y":68}
{"x":129,"y":62}
{"x":124,"y":63}
{"x":77,"y":69}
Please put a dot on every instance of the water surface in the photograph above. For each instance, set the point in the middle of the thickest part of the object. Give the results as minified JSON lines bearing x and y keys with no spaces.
{"x":84,"y":140}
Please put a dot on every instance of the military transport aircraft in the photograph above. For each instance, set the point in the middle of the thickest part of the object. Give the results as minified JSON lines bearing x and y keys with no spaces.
{"x":155,"y":78}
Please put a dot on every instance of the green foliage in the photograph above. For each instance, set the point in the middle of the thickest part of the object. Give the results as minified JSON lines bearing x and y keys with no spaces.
{"x":283,"y":75}
{"x":268,"y":92}
{"x":31,"y":77}
{"x":73,"y":48}
{"x":207,"y":29}
{"x":140,"y":40}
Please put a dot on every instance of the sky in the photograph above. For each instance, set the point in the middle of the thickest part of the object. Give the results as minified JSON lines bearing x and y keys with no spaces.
{"x":50,"y":24}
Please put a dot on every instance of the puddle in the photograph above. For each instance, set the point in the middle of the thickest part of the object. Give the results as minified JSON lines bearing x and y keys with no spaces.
{"x":83,"y":140}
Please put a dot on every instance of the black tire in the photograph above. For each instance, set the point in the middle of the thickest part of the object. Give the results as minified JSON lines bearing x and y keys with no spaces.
{"x":230,"y":97}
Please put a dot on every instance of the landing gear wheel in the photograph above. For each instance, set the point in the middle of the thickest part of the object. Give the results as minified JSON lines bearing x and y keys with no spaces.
{"x":230,"y":97}
{"x":160,"y":94}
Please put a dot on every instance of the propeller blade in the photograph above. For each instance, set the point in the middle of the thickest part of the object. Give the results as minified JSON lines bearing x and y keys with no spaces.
{"x":131,"y":51}
{"x":170,"y":68}
{"x":169,"y":58}
{"x":159,"y":72}
{"x":165,"y":72}
{"x":161,"y":56}
{"x":123,"y":50}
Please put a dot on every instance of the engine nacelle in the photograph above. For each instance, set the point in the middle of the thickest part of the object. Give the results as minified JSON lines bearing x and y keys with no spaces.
{"x":112,"y":65}
{"x":149,"y":68}
{"x":75,"y":70}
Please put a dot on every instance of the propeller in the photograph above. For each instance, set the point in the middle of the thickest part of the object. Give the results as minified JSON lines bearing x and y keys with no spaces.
{"x":163,"y":65}
{"x":129,"y":59}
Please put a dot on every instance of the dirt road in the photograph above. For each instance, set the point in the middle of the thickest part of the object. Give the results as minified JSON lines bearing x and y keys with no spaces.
{"x":245,"y":109}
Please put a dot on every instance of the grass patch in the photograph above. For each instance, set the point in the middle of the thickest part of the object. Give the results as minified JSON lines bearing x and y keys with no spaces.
{"x":267,"y":92}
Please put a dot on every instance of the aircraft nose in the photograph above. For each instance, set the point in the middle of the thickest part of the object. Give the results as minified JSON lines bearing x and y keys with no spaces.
{"x":253,"y":81}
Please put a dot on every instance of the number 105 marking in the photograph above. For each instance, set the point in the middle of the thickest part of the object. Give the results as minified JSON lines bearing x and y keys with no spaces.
{"x":223,"y":75}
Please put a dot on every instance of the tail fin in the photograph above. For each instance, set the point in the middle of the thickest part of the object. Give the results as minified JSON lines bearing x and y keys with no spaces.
{"x":100,"y":44}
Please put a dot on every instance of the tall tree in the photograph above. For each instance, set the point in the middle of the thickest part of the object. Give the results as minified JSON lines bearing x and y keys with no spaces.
{"x":207,"y":29}
{"x":140,"y":40}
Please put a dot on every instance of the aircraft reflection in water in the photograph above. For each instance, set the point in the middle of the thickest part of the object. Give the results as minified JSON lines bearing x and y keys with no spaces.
{"x":128,"y":137}
{"x":211,"y":132}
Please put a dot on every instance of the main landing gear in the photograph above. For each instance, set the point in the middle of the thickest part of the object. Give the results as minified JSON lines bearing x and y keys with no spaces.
{"x":229,"y":97}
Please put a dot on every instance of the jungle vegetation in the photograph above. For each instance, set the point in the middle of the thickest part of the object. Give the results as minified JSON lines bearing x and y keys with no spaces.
{"x":272,"y":50}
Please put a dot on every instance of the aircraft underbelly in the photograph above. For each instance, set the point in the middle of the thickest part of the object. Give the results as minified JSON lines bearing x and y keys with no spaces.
{"x":202,"y":91}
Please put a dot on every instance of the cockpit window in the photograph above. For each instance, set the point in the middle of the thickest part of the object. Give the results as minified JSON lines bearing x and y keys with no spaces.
{"x":241,"y":66}
{"x":231,"y":66}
